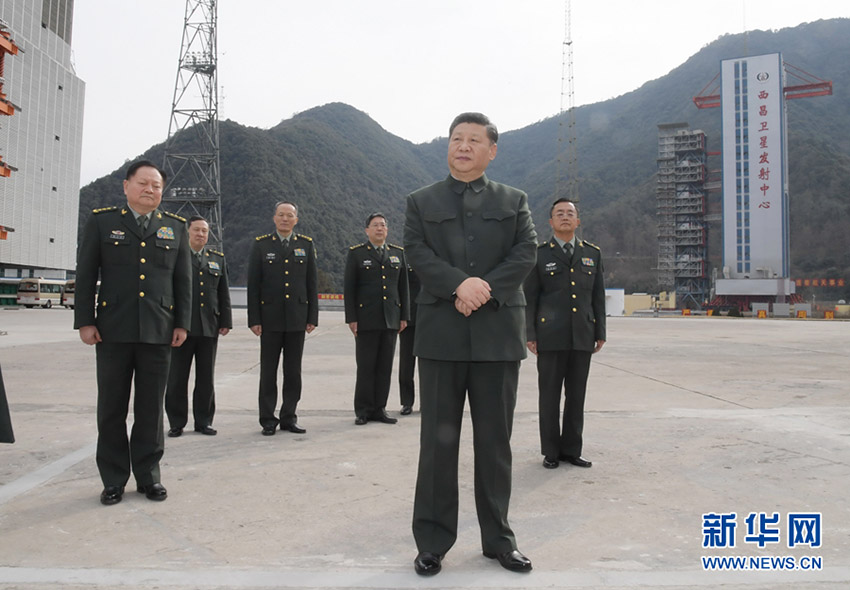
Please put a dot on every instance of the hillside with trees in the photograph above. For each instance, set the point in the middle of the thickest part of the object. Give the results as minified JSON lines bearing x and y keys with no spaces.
{"x":339,"y":165}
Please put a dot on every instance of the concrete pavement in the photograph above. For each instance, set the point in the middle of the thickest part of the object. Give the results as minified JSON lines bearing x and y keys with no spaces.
{"x":685,"y":416}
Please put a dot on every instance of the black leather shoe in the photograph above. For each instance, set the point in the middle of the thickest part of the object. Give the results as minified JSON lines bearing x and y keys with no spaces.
{"x":361,"y":420}
{"x":154,"y":491}
{"x":293,"y":427}
{"x":511,"y":560}
{"x":382,"y":417}
{"x":269,"y":430}
{"x":175,"y":432}
{"x":111,"y":495}
{"x":577,"y":461}
{"x":427,"y":563}
{"x":550,"y":463}
{"x":406,"y":410}
{"x":208,"y":430}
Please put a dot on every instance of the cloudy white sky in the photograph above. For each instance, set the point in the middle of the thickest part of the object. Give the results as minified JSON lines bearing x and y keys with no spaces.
{"x":412,"y":65}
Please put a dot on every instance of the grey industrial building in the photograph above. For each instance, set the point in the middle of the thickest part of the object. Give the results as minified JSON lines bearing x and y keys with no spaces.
{"x":41,"y":142}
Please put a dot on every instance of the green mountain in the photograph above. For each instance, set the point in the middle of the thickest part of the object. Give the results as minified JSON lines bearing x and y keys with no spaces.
{"x":339,"y":165}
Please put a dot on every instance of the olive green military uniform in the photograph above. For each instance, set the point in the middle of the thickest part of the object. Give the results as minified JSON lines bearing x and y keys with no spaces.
{"x":376,"y":297}
{"x":565,"y":316}
{"x":283,"y":297}
{"x":211,"y":311}
{"x":406,"y":358}
{"x":145,"y":293}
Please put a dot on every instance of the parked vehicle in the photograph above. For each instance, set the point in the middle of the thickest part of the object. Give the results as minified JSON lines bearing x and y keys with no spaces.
{"x":38,"y":292}
{"x":68,"y":294}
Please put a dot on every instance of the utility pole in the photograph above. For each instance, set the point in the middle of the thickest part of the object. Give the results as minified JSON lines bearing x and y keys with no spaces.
{"x":192,"y":148}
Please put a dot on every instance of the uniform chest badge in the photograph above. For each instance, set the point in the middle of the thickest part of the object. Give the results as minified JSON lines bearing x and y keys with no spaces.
{"x":395,"y":260}
{"x":300,"y":252}
{"x":165,"y":233}
{"x":367,"y":263}
{"x":587,"y":262}
{"x":551,"y":266}
{"x":213,"y":265}
{"x":116,"y":234}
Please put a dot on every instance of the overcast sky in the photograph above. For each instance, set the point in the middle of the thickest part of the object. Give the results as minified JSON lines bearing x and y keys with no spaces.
{"x":412,"y":65}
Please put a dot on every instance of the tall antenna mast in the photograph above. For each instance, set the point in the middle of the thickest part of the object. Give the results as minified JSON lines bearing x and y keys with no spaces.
{"x":567,"y":188}
{"x":192,"y":148}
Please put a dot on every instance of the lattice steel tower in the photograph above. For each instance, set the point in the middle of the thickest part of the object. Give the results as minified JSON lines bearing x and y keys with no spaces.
{"x":567,"y":187}
{"x":192,"y":148}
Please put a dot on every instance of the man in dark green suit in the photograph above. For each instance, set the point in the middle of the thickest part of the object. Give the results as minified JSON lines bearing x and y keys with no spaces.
{"x":376,"y":310}
{"x":141,"y":255}
{"x":565,"y":323}
{"x":472,"y":242}
{"x":283,"y":306}
{"x":211,"y":317}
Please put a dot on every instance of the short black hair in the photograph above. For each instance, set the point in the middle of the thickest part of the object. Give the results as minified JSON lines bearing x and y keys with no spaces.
{"x":563,"y":200}
{"x":195,"y":218}
{"x":373,"y":216}
{"x":134,"y":167}
{"x":478,"y":119}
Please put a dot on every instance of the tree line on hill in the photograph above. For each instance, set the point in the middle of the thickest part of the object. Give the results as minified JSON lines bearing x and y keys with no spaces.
{"x":339,"y":165}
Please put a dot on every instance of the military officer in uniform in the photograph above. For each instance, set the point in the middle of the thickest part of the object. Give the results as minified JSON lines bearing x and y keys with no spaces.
{"x":283,"y":306}
{"x":472,"y":243}
{"x":406,"y":358}
{"x":144,"y":308}
{"x":565,"y":324}
{"x":211,"y":316}
{"x":376,"y":310}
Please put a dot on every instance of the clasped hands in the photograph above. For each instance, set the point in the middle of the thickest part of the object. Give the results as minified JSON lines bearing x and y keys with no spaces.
{"x":471,"y":294}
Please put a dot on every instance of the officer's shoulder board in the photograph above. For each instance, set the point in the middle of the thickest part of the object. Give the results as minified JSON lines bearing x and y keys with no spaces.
{"x":543,"y":244}
{"x":303,"y":237}
{"x":104,"y":209}
{"x":216,"y":252}
{"x":263,"y":237}
{"x":394,"y":246}
{"x":355,"y":246}
{"x":584,"y":243}
{"x":174,"y":216}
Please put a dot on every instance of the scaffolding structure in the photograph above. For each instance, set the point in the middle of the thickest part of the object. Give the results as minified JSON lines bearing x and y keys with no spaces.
{"x":192,"y":152}
{"x":680,"y":211}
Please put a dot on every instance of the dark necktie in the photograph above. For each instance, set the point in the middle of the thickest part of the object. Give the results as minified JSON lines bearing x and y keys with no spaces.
{"x":285,"y":245}
{"x":568,"y":249}
{"x":143,"y":223}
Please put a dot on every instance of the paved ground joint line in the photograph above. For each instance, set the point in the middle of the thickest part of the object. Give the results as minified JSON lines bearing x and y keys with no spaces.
{"x":36,"y":478}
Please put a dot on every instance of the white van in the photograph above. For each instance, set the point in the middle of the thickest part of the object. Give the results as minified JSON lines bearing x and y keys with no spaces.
{"x":39,"y":292}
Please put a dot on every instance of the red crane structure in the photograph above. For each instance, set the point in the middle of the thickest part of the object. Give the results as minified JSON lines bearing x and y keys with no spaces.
{"x":808,"y":86}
